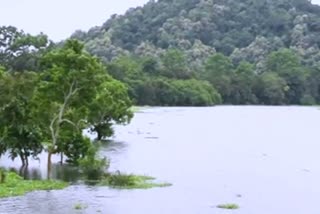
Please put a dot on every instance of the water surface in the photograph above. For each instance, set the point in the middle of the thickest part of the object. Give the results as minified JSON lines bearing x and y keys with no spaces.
{"x":266,"y":159}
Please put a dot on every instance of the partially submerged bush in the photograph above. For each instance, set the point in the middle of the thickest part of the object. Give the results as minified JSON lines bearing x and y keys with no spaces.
{"x":92,"y":166}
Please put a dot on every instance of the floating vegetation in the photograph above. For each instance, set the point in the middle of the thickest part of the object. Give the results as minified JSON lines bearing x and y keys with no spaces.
{"x":228,"y":206}
{"x":14,"y":185}
{"x":80,"y":206}
{"x":128,"y":181}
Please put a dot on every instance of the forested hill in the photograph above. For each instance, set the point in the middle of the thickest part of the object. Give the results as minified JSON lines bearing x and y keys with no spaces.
{"x":165,"y":41}
{"x":232,"y":27}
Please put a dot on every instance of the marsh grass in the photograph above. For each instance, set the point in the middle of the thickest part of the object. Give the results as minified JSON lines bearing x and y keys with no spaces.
{"x":228,"y":206}
{"x":128,"y":181}
{"x":14,"y":185}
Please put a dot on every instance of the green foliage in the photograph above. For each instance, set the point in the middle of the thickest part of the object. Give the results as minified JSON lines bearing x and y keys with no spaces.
{"x":74,"y":146}
{"x":194,"y":93}
{"x":242,"y":91}
{"x":80,"y":206}
{"x":50,"y":109}
{"x":224,"y":25}
{"x":307,"y":99}
{"x":175,"y":65}
{"x":218,"y":71}
{"x":14,"y":185}
{"x":177,"y":93}
{"x":151,"y":46}
{"x":110,"y":106}
{"x":21,"y":135}
{"x":288,"y":66}
{"x":271,"y":89}
{"x":124,"y":181}
{"x":228,"y":206}
{"x":75,"y":93}
{"x":167,"y":83}
{"x":20,"y":51}
{"x":92,"y":166}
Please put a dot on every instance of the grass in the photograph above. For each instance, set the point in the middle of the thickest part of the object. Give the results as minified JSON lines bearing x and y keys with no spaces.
{"x":129,"y":181}
{"x":228,"y":206}
{"x":14,"y":185}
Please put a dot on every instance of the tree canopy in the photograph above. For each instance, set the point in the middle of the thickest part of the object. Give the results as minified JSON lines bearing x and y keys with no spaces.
{"x":50,"y":109}
{"x":233,"y":45}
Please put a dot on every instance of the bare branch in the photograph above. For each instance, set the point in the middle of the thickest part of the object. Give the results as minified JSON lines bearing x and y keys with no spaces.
{"x":53,"y":134}
{"x":68,"y":121}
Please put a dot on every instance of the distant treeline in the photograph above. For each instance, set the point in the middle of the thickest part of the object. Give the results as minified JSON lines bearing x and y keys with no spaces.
{"x":169,"y":81}
{"x":196,"y":52}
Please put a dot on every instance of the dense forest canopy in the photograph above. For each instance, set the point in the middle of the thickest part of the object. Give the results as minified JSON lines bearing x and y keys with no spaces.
{"x":228,"y":26}
{"x":249,"y":51}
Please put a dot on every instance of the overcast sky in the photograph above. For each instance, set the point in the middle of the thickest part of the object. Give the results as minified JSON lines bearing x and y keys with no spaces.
{"x":60,"y":18}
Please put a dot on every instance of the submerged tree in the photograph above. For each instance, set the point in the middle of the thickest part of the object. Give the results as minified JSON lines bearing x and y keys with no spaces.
{"x":70,"y":84}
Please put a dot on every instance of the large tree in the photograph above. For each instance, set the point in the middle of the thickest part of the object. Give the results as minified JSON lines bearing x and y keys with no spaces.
{"x":21,"y":135}
{"x":70,"y":85}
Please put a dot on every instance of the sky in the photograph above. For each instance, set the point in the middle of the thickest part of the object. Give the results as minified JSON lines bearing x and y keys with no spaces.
{"x":60,"y":18}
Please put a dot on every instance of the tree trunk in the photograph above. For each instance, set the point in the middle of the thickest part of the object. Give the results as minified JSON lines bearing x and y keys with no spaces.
{"x":99,"y":135}
{"x":22,"y":160}
{"x":98,"y":131}
{"x":61,"y":158}
{"x":49,"y":165}
{"x":26,"y":160}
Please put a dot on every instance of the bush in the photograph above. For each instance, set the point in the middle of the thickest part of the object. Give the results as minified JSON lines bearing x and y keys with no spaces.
{"x":93,"y":166}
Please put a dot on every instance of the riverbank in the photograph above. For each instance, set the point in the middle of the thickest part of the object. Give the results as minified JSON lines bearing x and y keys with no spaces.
{"x":14,"y":185}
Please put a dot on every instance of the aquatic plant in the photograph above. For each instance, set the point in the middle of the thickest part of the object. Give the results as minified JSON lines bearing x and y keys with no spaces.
{"x":228,"y":206}
{"x":129,"y":181}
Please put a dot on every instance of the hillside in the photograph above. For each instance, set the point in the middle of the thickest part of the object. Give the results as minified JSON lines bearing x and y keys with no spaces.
{"x":180,"y":36}
{"x":228,"y":26}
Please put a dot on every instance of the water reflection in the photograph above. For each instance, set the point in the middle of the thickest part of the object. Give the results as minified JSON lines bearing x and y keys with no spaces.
{"x":27,"y":173}
{"x":38,"y":169}
{"x":61,"y":172}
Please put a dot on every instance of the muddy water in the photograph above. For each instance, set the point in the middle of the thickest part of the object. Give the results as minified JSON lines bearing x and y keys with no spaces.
{"x":265,"y":159}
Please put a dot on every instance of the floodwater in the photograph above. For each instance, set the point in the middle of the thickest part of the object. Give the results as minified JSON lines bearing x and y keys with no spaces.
{"x":265,"y":159}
